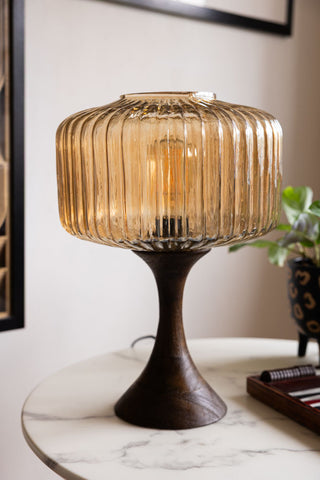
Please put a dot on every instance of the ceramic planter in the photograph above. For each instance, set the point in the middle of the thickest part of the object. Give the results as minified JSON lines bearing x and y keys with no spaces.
{"x":304,"y":296}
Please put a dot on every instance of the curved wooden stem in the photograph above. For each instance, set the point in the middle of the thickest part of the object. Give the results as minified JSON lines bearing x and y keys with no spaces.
{"x":170,"y":393}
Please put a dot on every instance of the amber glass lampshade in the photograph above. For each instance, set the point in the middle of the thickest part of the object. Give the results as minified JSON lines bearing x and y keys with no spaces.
{"x":169,"y":171}
{"x":169,"y":175}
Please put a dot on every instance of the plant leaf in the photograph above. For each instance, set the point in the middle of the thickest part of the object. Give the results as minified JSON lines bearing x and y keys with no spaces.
{"x":291,"y":238}
{"x":315,"y":208}
{"x":307,"y":243}
{"x":284,"y":226}
{"x":277,"y":255}
{"x":236,"y":247}
{"x":261,"y":243}
{"x":295,"y":201}
{"x":256,"y":244}
{"x":307,"y":224}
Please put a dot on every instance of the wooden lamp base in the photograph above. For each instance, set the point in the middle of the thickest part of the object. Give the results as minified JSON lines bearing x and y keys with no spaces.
{"x":170,"y":392}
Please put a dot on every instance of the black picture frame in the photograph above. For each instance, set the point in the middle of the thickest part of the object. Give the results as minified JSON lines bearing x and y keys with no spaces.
{"x":212,"y":15}
{"x":16,"y":75}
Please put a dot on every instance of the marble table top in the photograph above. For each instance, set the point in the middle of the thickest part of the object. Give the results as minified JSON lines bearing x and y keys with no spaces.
{"x":68,"y":420}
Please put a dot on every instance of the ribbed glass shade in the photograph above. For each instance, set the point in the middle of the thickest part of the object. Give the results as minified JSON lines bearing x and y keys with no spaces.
{"x":169,"y":171}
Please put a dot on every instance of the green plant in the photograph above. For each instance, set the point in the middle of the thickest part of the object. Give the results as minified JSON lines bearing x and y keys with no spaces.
{"x":302,"y":232}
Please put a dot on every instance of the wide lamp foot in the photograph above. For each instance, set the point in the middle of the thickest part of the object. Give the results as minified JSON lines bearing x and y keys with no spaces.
{"x":170,"y":393}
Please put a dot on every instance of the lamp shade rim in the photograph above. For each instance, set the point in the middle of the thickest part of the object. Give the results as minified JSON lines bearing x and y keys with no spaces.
{"x":167,"y":94}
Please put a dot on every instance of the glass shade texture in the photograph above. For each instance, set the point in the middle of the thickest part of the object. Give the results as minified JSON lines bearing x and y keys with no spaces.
{"x":169,"y":171}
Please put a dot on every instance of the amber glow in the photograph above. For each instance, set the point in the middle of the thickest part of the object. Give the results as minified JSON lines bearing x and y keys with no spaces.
{"x":173,"y":171}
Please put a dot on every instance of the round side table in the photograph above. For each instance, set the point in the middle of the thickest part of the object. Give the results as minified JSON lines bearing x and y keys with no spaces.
{"x":69,"y":422}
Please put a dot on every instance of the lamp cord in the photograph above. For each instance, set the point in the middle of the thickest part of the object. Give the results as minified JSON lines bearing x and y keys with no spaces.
{"x":141,"y":338}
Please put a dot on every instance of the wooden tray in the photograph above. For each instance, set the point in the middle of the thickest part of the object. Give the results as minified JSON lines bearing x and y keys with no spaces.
{"x":297,"y":398}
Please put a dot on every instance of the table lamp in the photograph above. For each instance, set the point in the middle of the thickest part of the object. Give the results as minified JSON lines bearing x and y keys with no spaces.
{"x":169,"y":175}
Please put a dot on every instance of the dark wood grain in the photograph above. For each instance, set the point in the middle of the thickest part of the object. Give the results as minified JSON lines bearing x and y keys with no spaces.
{"x":170,"y":393}
{"x":276,"y":396}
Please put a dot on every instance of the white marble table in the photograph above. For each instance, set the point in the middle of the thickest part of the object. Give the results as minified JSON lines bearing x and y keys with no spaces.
{"x":69,"y":423}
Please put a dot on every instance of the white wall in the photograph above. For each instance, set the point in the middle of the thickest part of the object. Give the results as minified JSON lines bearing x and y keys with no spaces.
{"x":83,"y":299}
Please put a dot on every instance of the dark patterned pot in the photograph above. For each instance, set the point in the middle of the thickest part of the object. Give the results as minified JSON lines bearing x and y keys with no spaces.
{"x":304,"y":296}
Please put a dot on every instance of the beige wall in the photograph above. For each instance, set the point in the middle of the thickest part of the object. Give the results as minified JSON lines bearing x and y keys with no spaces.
{"x":83,"y":299}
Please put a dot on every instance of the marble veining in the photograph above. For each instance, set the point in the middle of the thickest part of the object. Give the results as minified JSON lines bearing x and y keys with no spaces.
{"x":68,"y":420}
{"x":55,"y":418}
